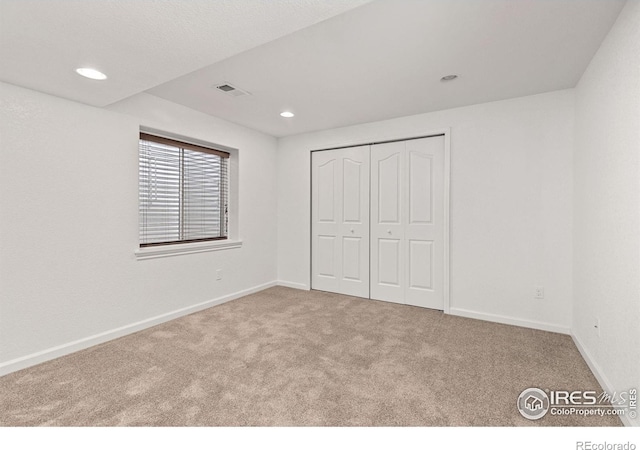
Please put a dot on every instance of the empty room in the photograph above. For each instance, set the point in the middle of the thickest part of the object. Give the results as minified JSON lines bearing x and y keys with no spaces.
{"x":320,"y":213}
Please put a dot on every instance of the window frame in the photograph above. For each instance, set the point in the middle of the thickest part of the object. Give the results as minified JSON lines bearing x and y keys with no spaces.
{"x":188,"y":245}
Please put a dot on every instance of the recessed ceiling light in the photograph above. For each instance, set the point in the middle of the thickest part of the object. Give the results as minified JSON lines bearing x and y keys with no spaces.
{"x":448,"y":77}
{"x":91,"y":73}
{"x":287,"y":114}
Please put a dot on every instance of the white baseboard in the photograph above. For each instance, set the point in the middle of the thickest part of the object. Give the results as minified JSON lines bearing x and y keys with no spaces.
{"x":509,"y":320}
{"x":293,"y":285}
{"x":601,"y":377}
{"x":80,"y":344}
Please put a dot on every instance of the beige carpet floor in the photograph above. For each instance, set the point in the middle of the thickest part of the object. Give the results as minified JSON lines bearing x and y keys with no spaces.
{"x":287,"y":357}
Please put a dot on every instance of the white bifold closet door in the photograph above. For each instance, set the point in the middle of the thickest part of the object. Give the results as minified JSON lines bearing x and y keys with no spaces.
{"x":340,"y":220}
{"x":407,"y":222}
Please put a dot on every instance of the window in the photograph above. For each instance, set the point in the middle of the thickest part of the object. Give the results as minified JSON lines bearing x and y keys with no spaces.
{"x":183,"y":192}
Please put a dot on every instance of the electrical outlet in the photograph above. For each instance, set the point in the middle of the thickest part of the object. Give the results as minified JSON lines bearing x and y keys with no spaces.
{"x":218,"y":274}
{"x":538,"y":292}
{"x":596,"y":325}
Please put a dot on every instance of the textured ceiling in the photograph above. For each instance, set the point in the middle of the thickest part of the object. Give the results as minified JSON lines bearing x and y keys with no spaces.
{"x":137,"y":43}
{"x":385,"y":59}
{"x":333,"y":62}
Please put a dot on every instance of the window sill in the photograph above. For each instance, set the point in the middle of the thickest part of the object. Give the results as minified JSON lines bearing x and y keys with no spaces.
{"x":185,"y":249}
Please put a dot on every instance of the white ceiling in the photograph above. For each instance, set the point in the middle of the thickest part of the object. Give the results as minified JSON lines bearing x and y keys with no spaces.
{"x":137,"y":43}
{"x":385,"y":59}
{"x":373,"y":62}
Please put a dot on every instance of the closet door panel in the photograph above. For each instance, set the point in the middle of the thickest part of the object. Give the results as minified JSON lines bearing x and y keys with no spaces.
{"x":424,"y":223}
{"x":354,"y":228}
{"x":389,"y":262}
{"x":420,"y":264}
{"x":387,"y":233}
{"x":325,"y":215}
{"x":340,"y":221}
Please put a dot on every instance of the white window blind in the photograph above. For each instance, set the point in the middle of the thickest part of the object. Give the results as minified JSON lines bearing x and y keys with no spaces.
{"x":183,"y":192}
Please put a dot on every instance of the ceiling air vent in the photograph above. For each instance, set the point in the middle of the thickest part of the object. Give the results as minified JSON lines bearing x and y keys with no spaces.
{"x":230,"y":89}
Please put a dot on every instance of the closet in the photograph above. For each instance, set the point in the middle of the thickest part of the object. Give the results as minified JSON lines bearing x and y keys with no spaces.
{"x":378,"y":221}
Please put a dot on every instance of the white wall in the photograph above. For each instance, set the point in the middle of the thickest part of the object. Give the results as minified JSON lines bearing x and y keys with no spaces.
{"x":511,"y":209}
{"x":69,"y":222}
{"x":607,"y":206}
